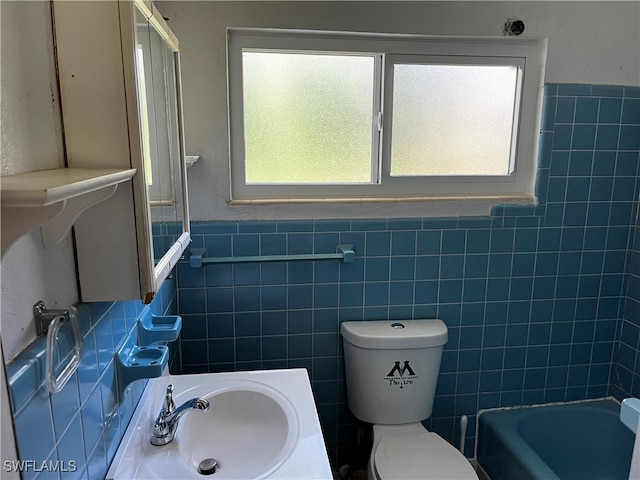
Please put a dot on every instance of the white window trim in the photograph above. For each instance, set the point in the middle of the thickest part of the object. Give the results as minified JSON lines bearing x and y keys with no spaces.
{"x":530,"y":53}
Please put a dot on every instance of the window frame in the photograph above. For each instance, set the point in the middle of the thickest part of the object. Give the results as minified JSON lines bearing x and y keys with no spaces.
{"x":441,"y":185}
{"x":391,"y":49}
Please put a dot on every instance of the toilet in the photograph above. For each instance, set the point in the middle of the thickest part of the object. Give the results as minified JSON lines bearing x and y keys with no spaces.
{"x":391,"y":374}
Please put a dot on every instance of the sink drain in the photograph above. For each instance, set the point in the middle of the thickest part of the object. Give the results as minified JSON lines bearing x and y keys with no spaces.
{"x":208,"y":466}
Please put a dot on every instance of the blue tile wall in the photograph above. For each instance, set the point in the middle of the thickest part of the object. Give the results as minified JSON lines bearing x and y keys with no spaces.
{"x":532,"y":295}
{"x":82,"y":425}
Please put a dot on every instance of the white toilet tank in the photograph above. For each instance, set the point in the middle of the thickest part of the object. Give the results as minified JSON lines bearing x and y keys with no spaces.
{"x":392,"y":368}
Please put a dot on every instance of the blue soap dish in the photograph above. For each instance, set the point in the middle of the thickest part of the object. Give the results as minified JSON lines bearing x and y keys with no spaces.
{"x":154,"y":329}
{"x":134,"y":362}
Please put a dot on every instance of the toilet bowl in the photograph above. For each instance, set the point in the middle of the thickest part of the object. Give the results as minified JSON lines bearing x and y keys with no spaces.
{"x":391,"y":371}
{"x":409,"y":452}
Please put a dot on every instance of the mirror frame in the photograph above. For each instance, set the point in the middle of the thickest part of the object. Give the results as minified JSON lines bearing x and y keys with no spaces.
{"x":152,"y":274}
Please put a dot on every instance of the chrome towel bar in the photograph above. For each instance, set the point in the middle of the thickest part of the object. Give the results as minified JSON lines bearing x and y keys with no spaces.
{"x":49,"y":322}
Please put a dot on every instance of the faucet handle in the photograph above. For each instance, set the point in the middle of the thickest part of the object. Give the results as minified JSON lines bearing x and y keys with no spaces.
{"x":169,"y":406}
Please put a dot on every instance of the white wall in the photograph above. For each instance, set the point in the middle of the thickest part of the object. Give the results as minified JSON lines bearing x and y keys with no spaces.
{"x":589,"y":43}
{"x":31,"y":139}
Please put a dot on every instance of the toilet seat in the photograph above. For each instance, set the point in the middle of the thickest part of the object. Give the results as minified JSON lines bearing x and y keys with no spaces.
{"x":422,"y":455}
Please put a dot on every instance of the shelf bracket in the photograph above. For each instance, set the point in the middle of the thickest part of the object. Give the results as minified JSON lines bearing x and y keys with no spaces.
{"x":16,"y":221}
{"x":54,"y":232}
{"x":53,"y":199}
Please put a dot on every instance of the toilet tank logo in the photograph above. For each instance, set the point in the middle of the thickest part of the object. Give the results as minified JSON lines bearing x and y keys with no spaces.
{"x":401,"y":375}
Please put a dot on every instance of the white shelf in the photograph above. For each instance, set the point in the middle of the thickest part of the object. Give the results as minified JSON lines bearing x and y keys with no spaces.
{"x":39,"y":189}
{"x":53,"y":199}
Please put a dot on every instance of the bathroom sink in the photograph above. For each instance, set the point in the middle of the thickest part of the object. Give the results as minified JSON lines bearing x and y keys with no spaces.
{"x":260,"y":425}
{"x":249,"y":430}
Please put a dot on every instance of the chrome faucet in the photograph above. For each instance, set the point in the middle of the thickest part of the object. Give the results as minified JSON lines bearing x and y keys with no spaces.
{"x":165,"y":425}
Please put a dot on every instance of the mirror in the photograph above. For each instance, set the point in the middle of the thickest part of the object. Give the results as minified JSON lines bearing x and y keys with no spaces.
{"x":157,"y":75}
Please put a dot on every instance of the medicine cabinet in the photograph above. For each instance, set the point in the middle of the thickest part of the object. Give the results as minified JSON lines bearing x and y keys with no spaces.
{"x":119,"y":74}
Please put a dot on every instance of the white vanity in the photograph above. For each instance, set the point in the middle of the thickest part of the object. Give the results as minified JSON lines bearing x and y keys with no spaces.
{"x":260,"y":424}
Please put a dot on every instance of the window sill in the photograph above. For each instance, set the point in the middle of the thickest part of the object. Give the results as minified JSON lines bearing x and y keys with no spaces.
{"x":493,"y":199}
{"x":350,"y":208}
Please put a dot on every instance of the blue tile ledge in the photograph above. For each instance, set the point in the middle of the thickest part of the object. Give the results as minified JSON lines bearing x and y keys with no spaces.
{"x":26,"y":374}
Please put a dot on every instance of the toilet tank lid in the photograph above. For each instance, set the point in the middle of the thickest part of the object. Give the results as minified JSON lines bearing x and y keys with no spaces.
{"x":395,"y":334}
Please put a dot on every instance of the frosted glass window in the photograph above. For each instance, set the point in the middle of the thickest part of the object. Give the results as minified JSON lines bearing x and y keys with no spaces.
{"x":307,"y":118}
{"x":337,"y":117}
{"x":453,"y":120}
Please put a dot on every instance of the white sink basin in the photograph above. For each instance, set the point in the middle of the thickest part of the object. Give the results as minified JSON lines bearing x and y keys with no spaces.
{"x":249,"y":429}
{"x":261,"y":424}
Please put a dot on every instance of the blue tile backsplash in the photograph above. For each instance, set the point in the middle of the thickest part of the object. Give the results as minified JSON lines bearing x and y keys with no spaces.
{"x":82,"y":425}
{"x":542,"y":302}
